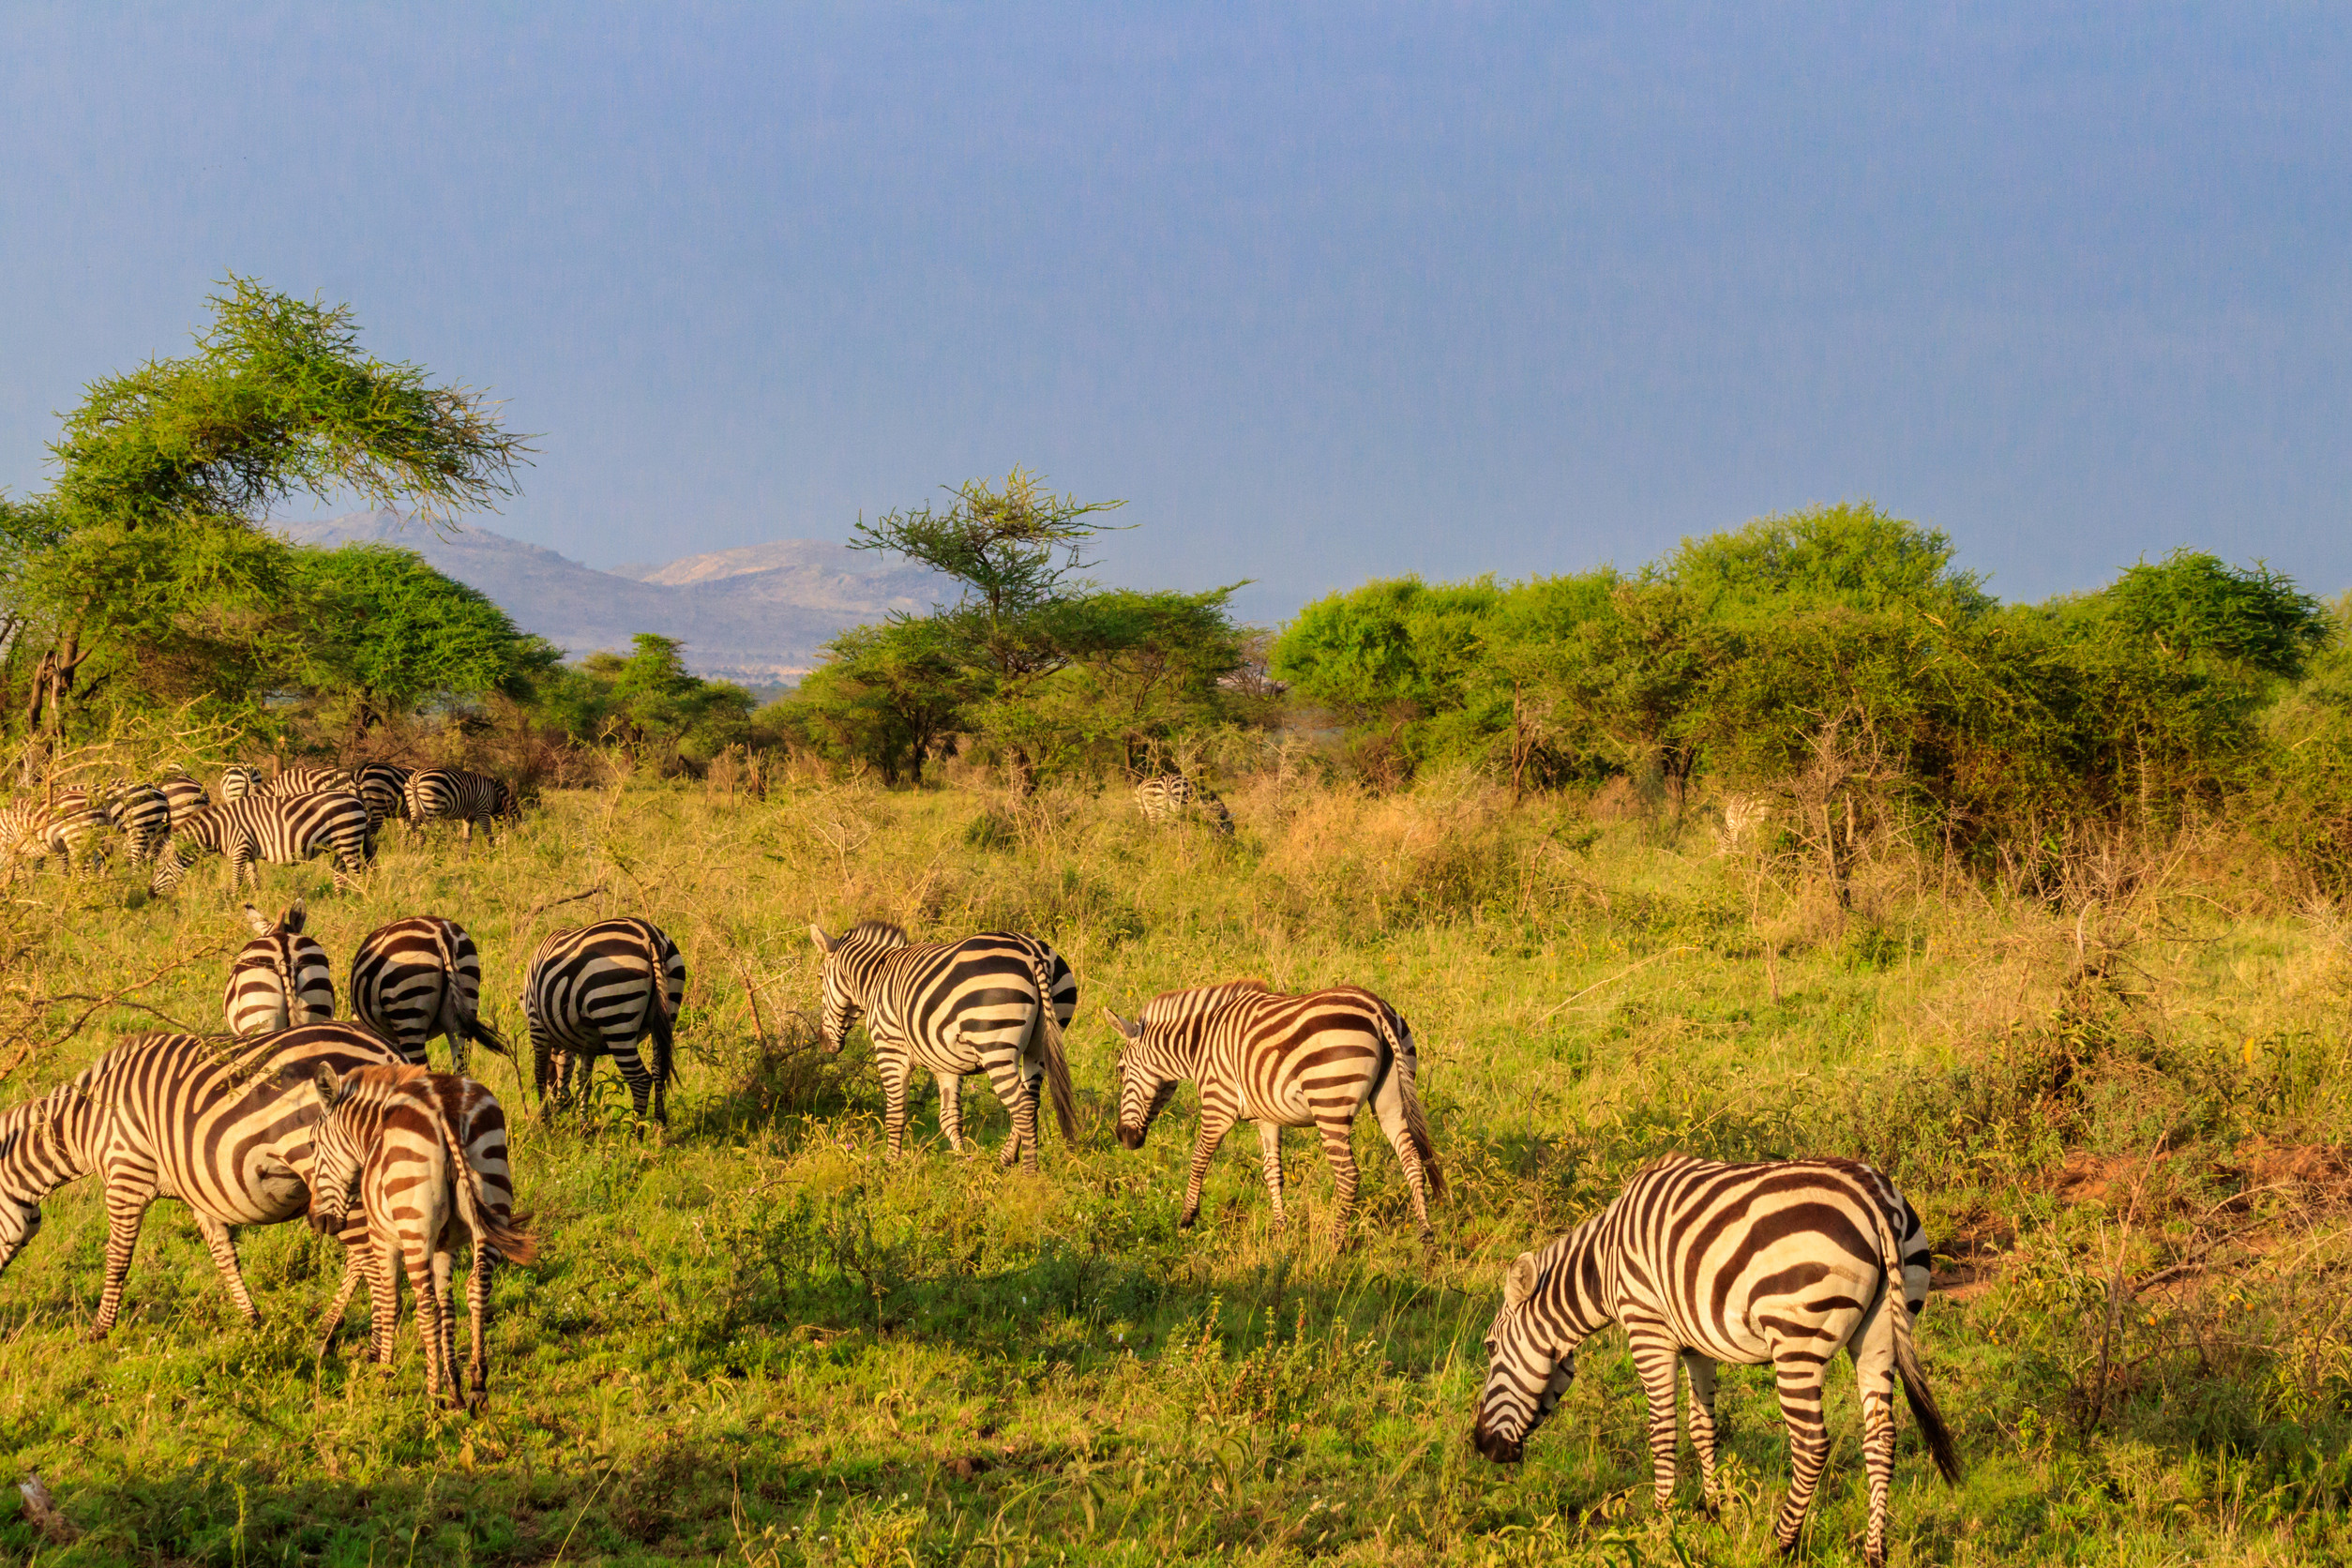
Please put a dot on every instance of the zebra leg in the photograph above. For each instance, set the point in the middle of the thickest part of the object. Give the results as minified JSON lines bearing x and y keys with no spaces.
{"x":224,"y":1257}
{"x":1701,"y":1371}
{"x":1808,"y":1439}
{"x":331,"y":1321}
{"x":477,"y":1309}
{"x":635,"y":1075}
{"x":1003,"y":1067}
{"x":1269,"y":1155}
{"x":1339,"y":1151}
{"x":1388,"y":1109}
{"x":384,"y":1299}
{"x":1655,"y":1360}
{"x":1873,"y":1371}
{"x":893,"y":1070}
{"x":444,"y":1265}
{"x":1216,"y":1121}
{"x":126,"y":1206}
{"x":951,"y":1108}
{"x":416,"y":1258}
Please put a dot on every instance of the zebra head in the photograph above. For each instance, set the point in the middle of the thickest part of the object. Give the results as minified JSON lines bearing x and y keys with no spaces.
{"x":848,"y":964}
{"x":1147,"y":1079}
{"x":1528,"y":1367}
{"x":335,"y":1152}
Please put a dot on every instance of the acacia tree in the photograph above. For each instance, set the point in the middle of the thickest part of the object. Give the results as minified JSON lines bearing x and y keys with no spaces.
{"x":1016,"y":550}
{"x":145,"y":567}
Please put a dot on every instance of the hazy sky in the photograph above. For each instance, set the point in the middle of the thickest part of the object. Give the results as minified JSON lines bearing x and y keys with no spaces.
{"x":1327,"y":292}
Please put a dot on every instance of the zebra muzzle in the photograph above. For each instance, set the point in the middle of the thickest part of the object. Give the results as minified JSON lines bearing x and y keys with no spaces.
{"x":1500,"y":1449}
{"x":1130,"y":1138}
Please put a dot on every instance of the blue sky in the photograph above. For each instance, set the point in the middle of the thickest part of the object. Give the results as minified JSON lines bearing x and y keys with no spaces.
{"x":1326,"y":293}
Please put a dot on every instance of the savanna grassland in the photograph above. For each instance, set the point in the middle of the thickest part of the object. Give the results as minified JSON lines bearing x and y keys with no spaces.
{"x":753,"y":1340}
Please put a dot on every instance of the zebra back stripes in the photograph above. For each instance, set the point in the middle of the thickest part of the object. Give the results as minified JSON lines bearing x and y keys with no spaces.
{"x":281,"y":830}
{"x":185,"y":797}
{"x":384,"y":788}
{"x":1785,"y":1263}
{"x":280,"y":978}
{"x":216,"y":1125}
{"x":309,"y":781}
{"x":994,"y":1003}
{"x":454,"y":794}
{"x":409,"y":1145}
{"x":237,"y":781}
{"x":419,"y":977}
{"x":596,"y":990}
{"x":142,"y":811}
{"x":1170,"y":797}
{"x":1280,"y":1062}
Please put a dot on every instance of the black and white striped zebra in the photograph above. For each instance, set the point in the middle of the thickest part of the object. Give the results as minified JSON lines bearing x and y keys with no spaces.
{"x":419,"y":977}
{"x":454,"y":794}
{"x":280,"y":978}
{"x":67,"y":828}
{"x":1172,"y":797}
{"x":281,"y":830}
{"x":1786,"y":1262}
{"x":1280,"y":1062}
{"x":239,"y":780}
{"x":184,"y":796}
{"x":142,"y":811}
{"x":597,"y":990}
{"x":385,"y":786}
{"x":309,"y":779}
{"x":994,"y":1003}
{"x":225,"y":1128}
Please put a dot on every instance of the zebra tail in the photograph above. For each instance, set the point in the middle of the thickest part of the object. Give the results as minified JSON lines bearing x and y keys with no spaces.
{"x":469,"y":1021}
{"x":507,"y":1237}
{"x":1906,"y":1364}
{"x":663,"y":1030}
{"x":1057,"y":1058}
{"x":1416,"y":1123}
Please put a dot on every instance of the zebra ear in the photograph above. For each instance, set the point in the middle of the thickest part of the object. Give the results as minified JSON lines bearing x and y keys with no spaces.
{"x":1519,"y":1284}
{"x":816,"y":934}
{"x":292,"y":920}
{"x":1130,"y":1031}
{"x":254,"y":918}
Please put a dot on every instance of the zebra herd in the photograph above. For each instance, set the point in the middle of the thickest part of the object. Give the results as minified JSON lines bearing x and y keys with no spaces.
{"x":279,"y":820}
{"x":1782,"y":1263}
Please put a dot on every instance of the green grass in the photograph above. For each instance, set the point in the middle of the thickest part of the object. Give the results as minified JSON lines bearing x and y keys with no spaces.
{"x":754,"y":1339}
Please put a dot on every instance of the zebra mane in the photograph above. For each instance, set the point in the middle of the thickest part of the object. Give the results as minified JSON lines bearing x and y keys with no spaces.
{"x":1170,"y":1006}
{"x":881,"y":933}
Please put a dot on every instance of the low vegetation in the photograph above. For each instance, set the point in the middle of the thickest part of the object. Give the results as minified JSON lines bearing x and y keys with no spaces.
{"x":755,"y":1340}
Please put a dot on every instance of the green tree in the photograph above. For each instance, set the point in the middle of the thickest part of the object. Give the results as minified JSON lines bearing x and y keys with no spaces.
{"x":391,"y":634}
{"x":148,"y":571}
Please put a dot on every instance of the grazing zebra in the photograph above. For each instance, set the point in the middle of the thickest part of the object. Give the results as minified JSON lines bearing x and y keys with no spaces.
{"x":398,"y":1139}
{"x":419,"y":977}
{"x":282,"y":830}
{"x":212,"y":1123}
{"x":993,"y":1003}
{"x":280,"y":978}
{"x":1172,"y":797}
{"x":1785,"y":1263}
{"x":238,"y":782}
{"x":309,"y":780}
{"x":384,"y":788}
{"x":142,"y":811}
{"x":184,"y":796}
{"x":462,"y":797}
{"x":1280,"y":1062}
{"x":596,"y":990}
{"x":69,"y":828}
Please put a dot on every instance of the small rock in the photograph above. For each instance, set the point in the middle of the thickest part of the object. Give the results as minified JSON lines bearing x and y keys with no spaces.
{"x":43,"y":1510}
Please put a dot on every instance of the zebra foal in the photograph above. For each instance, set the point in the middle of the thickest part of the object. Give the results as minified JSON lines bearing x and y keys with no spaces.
{"x":397,"y":1140}
{"x":419,"y":977}
{"x":1280,"y":1062}
{"x":993,"y":1003}
{"x":1786,"y":1262}
{"x":280,"y":978}
{"x":597,"y":990}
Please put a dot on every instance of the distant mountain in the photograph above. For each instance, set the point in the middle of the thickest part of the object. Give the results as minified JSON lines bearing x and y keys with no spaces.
{"x":758,"y":614}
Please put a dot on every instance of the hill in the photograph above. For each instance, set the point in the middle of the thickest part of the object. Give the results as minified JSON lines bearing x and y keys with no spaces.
{"x":757,"y":614}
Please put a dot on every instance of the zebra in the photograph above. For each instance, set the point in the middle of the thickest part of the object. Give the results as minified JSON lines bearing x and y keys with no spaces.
{"x":994,"y":1003}
{"x":308,"y":780}
{"x":237,"y":780}
{"x":280,"y":978}
{"x":1788,"y":1261}
{"x":212,"y":1123}
{"x":144,"y":813}
{"x":593,"y":991}
{"x":385,"y":786}
{"x":280,"y":830}
{"x":69,"y":827}
{"x":1280,"y":1062}
{"x":419,"y":977}
{"x":399,"y":1139}
{"x":184,"y":796}
{"x":1170,"y":797}
{"x":464,"y":798}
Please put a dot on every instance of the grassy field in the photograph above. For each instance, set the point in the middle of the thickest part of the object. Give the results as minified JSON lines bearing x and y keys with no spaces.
{"x":755,"y":1340}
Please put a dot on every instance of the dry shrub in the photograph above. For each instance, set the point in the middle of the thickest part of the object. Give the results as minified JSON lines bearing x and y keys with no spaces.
{"x":1360,"y":862}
